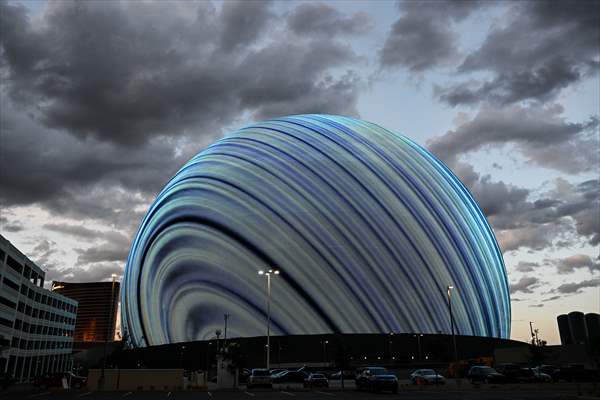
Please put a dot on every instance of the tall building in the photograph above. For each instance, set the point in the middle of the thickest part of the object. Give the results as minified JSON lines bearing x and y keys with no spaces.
{"x":97,"y":310}
{"x":36,"y":324}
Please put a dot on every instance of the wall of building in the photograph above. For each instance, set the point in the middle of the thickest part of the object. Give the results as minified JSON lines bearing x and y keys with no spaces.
{"x":97,"y":311}
{"x":37,"y":324}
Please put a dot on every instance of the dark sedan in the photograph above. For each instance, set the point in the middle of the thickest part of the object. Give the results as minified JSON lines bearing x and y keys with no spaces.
{"x":484,"y":374}
{"x":376,"y":379}
{"x":316,"y":380}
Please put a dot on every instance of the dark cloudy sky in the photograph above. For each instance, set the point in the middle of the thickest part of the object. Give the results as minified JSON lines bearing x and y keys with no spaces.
{"x":102,"y":101}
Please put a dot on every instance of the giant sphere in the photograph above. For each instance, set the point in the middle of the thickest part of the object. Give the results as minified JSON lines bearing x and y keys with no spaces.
{"x":367,"y":228}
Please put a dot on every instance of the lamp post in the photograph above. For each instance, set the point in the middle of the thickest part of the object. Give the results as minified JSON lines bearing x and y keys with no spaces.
{"x":419,"y":336}
{"x":226,"y":317}
{"x":112,"y":300}
{"x":268,"y":274}
{"x":390,"y":337}
{"x":450,"y":288}
{"x":181,"y":356}
{"x":325,"y":343}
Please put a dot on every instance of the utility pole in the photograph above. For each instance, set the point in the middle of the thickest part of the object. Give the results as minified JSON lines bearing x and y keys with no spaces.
{"x":226,"y":316}
{"x":532,"y":334}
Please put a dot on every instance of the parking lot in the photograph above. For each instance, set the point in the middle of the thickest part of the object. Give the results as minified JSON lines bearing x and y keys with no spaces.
{"x":557,"y":391}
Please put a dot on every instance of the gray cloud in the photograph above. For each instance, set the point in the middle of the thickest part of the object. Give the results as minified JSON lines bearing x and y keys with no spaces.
{"x":572,"y":263}
{"x":41,"y":165}
{"x":422,"y":38}
{"x":525,"y":285}
{"x":106,"y":252}
{"x":526,"y":266}
{"x":123,"y":73}
{"x":322,"y":19}
{"x":529,"y":58}
{"x":96,"y":272}
{"x":243,"y":22}
{"x":114,"y":97}
{"x":540,"y":134}
{"x":553,"y":298}
{"x":43,"y":252}
{"x":78,"y":231}
{"x":577,"y":287}
{"x":555,"y":218}
{"x":10,"y":226}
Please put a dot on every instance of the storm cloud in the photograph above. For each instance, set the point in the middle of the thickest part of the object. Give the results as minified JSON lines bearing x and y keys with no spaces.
{"x":540,"y":49}
{"x":422,"y":37}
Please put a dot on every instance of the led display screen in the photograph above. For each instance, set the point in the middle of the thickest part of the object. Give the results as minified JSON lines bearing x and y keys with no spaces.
{"x":367,"y":228}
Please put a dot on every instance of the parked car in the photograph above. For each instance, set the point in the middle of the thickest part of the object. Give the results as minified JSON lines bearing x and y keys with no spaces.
{"x":243,"y":375}
{"x":514,"y":373}
{"x":316,"y":380}
{"x":485,"y":374}
{"x":277,"y":371}
{"x":259,"y":377}
{"x":376,"y":379}
{"x":551,"y":370}
{"x":290,"y":377}
{"x":336,"y":376}
{"x":540,"y":376}
{"x":426,"y":377}
{"x":76,"y":381}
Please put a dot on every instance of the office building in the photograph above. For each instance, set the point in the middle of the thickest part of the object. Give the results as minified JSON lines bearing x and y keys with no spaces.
{"x":36,"y":324}
{"x":97,"y":311}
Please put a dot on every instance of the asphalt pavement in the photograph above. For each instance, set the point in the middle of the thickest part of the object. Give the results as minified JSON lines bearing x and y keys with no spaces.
{"x":453,"y":392}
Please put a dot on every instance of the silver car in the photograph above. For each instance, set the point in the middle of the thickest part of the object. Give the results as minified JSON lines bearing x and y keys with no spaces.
{"x":426,"y":377}
{"x":259,"y":377}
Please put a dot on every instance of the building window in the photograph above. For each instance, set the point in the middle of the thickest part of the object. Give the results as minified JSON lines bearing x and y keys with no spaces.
{"x":7,"y":302}
{"x":14,"y":286}
{"x":14,"y":264}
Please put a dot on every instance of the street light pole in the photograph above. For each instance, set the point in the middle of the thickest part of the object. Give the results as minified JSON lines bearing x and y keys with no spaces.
{"x":325,"y":343}
{"x":226,"y":316}
{"x":419,"y":336}
{"x":391,"y":335}
{"x":268,"y":274}
{"x":452,"y":321}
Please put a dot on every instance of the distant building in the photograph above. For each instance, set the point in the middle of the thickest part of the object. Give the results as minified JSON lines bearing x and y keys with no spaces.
{"x":36,"y":324}
{"x":577,"y":328}
{"x":564,"y":329}
{"x":592,"y":323}
{"x":97,"y":313}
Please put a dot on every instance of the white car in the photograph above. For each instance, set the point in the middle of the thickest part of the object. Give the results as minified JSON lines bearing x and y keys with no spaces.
{"x":426,"y":376}
{"x":259,"y":377}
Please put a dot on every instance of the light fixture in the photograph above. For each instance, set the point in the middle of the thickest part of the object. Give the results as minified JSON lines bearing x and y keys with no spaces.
{"x":261,"y":272}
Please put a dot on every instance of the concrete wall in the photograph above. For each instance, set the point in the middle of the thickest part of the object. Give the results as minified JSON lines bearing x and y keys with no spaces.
{"x":137,"y":379}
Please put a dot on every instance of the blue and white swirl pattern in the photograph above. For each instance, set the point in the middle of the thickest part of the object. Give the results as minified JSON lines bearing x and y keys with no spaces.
{"x":367,"y":228}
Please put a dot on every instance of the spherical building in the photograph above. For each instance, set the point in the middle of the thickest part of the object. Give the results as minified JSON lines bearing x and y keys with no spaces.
{"x":367,"y":228}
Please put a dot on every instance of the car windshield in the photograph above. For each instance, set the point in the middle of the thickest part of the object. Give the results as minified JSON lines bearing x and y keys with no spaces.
{"x":318,"y":376}
{"x":487,"y":370}
{"x":260,"y":372}
{"x":428,"y":372}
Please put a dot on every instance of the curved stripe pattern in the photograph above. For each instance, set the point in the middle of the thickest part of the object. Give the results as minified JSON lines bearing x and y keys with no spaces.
{"x":367,"y":228}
